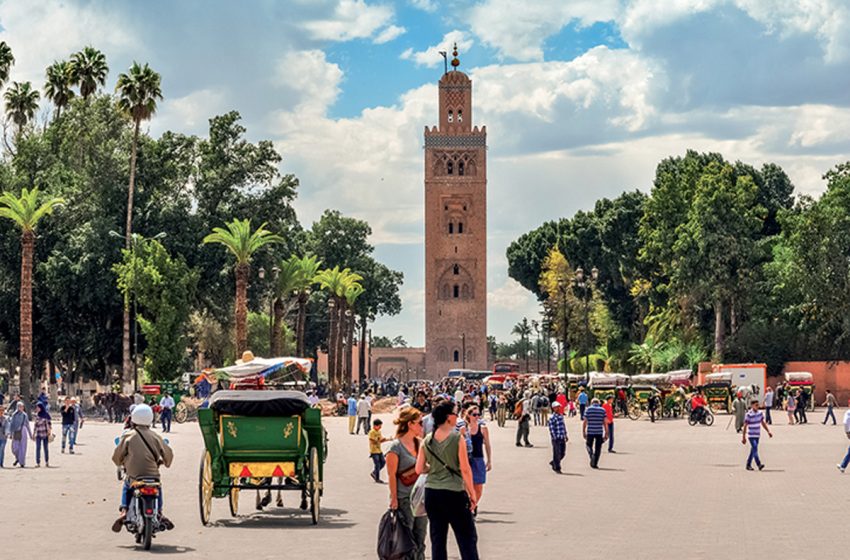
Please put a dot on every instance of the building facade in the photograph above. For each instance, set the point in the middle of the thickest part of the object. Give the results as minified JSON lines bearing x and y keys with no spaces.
{"x":455,"y":232}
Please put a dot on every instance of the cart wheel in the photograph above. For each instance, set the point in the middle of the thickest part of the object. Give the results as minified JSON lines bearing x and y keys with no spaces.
{"x":315,"y":485}
{"x":234,"y":498}
{"x":634,"y":411}
{"x":205,"y":487}
{"x":181,"y":413}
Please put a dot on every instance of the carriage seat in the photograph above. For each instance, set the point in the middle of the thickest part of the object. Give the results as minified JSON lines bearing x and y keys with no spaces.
{"x":259,"y":403}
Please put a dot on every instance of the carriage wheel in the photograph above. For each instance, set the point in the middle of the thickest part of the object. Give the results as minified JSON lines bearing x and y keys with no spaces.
{"x":234,"y":498}
{"x":634,"y":411}
{"x":314,"y":485}
{"x":181,"y":413}
{"x":205,"y":487}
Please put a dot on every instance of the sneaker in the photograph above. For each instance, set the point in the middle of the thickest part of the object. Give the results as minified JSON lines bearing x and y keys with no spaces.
{"x":63,"y":450}
{"x":166,"y":523}
{"x":71,"y":452}
{"x":529,"y":445}
{"x":372,"y":475}
{"x":840,"y":468}
{"x":611,"y":451}
{"x":749,"y":468}
{"x":117,"y":524}
{"x":519,"y":445}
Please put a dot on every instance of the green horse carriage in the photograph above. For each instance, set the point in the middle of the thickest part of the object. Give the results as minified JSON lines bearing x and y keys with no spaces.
{"x":261,"y":440}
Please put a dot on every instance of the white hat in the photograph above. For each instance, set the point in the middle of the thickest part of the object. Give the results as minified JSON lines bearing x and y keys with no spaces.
{"x":556,"y":403}
{"x":142,"y":415}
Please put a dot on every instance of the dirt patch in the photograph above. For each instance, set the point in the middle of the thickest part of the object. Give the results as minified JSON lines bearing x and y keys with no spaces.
{"x":380,"y":405}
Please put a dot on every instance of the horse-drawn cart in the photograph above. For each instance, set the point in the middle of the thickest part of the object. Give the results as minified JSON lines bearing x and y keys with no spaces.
{"x":261,"y":440}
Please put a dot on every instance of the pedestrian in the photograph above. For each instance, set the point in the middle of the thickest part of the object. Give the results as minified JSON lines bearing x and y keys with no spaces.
{"x":829,"y":403}
{"x":595,"y":431}
{"x":769,"y":395}
{"x":492,"y":406}
{"x":449,"y":492}
{"x":364,"y":409}
{"x":582,"y":403}
{"x":20,"y":432}
{"x":754,"y":421}
{"x":609,"y":421}
{"x":522,"y":428}
{"x":352,"y":413}
{"x":166,"y":404}
{"x":652,"y":404}
{"x":502,"y":410}
{"x":479,"y":437}
{"x":558,"y":435}
{"x":843,"y":464}
{"x":802,"y":403}
{"x":739,"y":408}
{"x":4,"y":433}
{"x":375,"y":441}
{"x":369,"y":397}
{"x":545,"y":404}
{"x":535,"y":408}
{"x":790,"y":407}
{"x":401,"y":475}
{"x":43,"y":429}
{"x":69,"y":425}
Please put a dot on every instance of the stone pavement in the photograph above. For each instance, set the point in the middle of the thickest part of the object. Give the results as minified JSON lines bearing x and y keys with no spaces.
{"x":671,"y":491}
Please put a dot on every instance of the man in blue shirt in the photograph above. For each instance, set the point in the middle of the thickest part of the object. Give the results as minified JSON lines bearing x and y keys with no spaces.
{"x":582,"y":402}
{"x":352,"y":413}
{"x":595,"y":431}
{"x":558,"y":433}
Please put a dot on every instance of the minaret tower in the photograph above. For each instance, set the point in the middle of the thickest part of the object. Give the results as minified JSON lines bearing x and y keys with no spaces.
{"x":455,"y":232}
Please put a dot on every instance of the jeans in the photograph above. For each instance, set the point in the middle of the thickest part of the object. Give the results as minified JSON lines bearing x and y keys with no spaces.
{"x":767,"y":415}
{"x":165,"y":417}
{"x":559,"y":451}
{"x":69,"y":432}
{"x":378,"y":461}
{"x":362,"y":421}
{"x":127,"y":495}
{"x":754,"y":452}
{"x":522,"y":430}
{"x":450,"y":509}
{"x":611,"y":436}
{"x":594,"y":449}
{"x":2,"y":451}
{"x":829,"y":413}
{"x":39,"y":442}
{"x":844,"y":463}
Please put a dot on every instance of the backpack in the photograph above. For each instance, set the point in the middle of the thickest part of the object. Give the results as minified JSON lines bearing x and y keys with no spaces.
{"x":518,"y":409}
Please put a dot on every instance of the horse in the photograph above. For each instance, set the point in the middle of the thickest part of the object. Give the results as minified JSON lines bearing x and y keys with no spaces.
{"x":116,"y":405}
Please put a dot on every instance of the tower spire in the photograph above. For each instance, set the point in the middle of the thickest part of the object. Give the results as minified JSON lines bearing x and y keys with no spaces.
{"x":455,"y":61}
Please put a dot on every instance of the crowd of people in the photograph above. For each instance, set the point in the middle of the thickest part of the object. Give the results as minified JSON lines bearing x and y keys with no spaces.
{"x":19,"y":427}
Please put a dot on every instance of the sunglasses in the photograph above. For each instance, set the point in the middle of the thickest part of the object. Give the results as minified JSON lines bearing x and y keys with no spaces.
{"x":475,"y":414}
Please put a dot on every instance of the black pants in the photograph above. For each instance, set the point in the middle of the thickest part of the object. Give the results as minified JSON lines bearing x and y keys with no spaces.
{"x":594,"y":449}
{"x":559,"y":451}
{"x":767,"y":415}
{"x":801,"y":413}
{"x":522,"y":430}
{"x":446,"y":508}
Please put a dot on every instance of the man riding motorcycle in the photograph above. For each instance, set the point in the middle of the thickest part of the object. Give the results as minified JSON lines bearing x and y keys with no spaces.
{"x":140,"y":451}
{"x":698,"y":404}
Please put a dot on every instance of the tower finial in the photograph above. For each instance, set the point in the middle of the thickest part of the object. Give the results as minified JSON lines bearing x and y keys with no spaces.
{"x":455,"y":61}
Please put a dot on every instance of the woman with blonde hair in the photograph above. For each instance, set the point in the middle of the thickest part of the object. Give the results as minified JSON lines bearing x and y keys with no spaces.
{"x":401,"y":471}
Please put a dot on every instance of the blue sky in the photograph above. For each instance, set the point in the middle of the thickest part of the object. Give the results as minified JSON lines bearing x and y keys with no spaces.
{"x":581,"y":98}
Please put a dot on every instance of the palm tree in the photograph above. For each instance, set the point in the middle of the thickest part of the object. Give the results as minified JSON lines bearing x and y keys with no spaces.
{"x":308,"y":268}
{"x":647,"y":355}
{"x":25,"y":212}
{"x":337,"y":283}
{"x":242,"y":242}
{"x":21,"y":104}
{"x":523,"y":330}
{"x":287,"y":281}
{"x":57,"y":88}
{"x":88,"y":70}
{"x":353,"y":291}
{"x":6,"y":62}
{"x":138,"y":92}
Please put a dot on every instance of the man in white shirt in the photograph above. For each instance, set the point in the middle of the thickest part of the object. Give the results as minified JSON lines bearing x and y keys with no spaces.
{"x":768,"y":404}
{"x":167,"y":405}
{"x":364,"y":409}
{"x":843,"y":464}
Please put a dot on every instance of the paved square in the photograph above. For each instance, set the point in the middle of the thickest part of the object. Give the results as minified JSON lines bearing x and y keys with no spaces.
{"x":671,"y":491}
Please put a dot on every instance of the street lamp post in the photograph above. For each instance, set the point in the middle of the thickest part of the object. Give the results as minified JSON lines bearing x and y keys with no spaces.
{"x":562,"y":284}
{"x":463,"y":349}
{"x":270,"y":292}
{"x":585,"y":283}
{"x":536,"y":326}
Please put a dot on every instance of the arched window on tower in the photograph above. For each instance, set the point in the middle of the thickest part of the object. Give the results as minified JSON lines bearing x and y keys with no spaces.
{"x":450,"y":168}
{"x":460,"y":168}
{"x":465,"y":291}
{"x":451,"y":227}
{"x":451,"y":116}
{"x":456,"y":356}
{"x":460,"y":227}
{"x":456,"y":291}
{"x":443,"y":355}
{"x":456,"y":270}
{"x":445,"y":291}
{"x":459,"y":116}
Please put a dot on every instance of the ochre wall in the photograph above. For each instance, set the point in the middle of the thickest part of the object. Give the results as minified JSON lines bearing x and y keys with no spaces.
{"x":834,"y":376}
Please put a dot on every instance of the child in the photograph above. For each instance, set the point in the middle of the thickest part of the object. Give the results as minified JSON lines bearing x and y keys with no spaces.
{"x":375,"y":441}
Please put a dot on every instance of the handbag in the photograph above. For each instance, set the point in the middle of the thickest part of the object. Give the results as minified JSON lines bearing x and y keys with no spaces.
{"x":408,"y":477}
{"x":17,"y":435}
{"x":50,"y":437}
{"x":417,"y":496}
{"x":395,"y":540}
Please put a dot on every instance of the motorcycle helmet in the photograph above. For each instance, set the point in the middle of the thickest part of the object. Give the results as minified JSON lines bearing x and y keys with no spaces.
{"x":142,"y":415}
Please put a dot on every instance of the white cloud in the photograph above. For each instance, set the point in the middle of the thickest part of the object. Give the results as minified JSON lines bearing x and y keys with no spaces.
{"x":388,"y":34}
{"x":519,"y":31}
{"x":190,"y":113}
{"x":351,"y":19}
{"x":314,"y":80}
{"x":431,"y":56}
{"x":510,"y":296}
{"x":424,"y":5}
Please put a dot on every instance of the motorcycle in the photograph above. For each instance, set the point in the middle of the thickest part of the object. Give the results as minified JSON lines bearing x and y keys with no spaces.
{"x":707,"y":417}
{"x":144,"y":517}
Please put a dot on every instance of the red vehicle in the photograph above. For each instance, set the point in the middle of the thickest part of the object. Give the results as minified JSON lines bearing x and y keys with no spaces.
{"x":505,"y":367}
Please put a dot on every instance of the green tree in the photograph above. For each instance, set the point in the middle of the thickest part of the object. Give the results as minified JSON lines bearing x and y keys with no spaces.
{"x":25,"y":212}
{"x":21,"y":105}
{"x":7,"y":59}
{"x":336,"y":282}
{"x":89,"y":70}
{"x":242,"y":242}
{"x":57,"y":88}
{"x":523,"y":331}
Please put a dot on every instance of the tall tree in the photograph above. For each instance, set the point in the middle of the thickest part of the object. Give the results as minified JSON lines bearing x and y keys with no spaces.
{"x":242,"y":242}
{"x":89,"y":70}
{"x":138,"y":92}
{"x":57,"y":88}
{"x":523,"y":330}
{"x":308,"y":267}
{"x":26,"y":211}
{"x":336,"y":282}
{"x":7,"y":59}
{"x":21,"y":104}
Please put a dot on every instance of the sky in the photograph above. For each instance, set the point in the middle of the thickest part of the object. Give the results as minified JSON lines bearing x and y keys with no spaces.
{"x":581,"y":98}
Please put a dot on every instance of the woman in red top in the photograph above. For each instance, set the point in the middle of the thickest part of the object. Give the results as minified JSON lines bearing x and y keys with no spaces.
{"x":609,"y":419}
